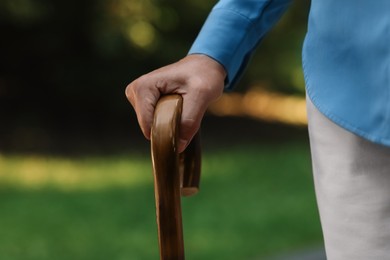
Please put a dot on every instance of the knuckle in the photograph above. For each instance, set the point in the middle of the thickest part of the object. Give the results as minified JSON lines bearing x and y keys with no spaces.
{"x":134,"y":86}
{"x":130,"y":90}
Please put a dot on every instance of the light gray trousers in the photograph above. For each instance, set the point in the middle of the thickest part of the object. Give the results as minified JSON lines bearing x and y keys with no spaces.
{"x":352,"y":184}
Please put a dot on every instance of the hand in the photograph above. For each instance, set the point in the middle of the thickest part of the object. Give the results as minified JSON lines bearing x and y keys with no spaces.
{"x":197,"y":78}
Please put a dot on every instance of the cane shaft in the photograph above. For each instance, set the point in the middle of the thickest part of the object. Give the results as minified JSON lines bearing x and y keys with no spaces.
{"x":174,"y":175}
{"x":166,"y":177}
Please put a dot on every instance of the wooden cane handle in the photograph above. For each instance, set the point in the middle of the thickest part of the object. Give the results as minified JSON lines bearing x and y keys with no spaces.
{"x":172,"y":173}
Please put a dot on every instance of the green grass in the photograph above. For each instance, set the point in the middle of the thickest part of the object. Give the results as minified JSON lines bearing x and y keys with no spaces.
{"x":254,"y":202}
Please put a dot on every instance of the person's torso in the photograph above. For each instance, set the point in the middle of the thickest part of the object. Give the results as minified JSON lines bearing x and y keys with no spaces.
{"x":346,"y":59}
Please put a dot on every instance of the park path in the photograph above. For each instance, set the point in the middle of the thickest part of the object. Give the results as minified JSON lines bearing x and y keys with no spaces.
{"x":317,"y":253}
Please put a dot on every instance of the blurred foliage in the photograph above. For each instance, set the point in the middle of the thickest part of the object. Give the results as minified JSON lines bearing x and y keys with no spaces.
{"x":277,"y":63}
{"x":66,"y":62}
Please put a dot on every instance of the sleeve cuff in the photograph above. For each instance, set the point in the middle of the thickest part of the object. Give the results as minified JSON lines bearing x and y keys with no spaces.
{"x":223,"y":38}
{"x":232,"y":32}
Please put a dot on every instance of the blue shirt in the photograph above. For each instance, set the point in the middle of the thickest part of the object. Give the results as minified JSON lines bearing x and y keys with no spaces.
{"x":346,"y":55}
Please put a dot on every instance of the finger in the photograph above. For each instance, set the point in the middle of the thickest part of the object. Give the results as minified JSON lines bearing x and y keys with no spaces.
{"x":192,"y":114}
{"x":143,"y":96}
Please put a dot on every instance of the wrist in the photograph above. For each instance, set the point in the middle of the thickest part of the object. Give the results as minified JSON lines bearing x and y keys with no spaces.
{"x":210,"y":63}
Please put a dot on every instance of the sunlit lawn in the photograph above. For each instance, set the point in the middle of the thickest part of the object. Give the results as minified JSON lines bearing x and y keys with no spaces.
{"x":254,"y":202}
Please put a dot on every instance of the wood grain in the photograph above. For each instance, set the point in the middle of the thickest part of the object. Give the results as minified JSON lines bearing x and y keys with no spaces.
{"x":174,"y":175}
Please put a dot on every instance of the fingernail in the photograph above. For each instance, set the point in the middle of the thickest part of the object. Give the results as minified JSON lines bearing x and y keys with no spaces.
{"x":182,"y":145}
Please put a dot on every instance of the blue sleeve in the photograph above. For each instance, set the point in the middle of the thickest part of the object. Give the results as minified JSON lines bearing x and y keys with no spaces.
{"x":232,"y":31}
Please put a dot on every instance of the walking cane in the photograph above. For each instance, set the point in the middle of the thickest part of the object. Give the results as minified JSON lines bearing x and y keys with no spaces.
{"x":174,"y":175}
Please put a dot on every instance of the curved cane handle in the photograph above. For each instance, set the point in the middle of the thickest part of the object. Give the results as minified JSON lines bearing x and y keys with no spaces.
{"x":172,"y":174}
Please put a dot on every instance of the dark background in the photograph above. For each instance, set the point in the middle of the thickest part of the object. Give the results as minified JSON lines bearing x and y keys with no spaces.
{"x":64,"y":66}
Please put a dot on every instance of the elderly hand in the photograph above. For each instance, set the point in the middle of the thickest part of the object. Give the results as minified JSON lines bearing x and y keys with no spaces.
{"x":197,"y":78}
